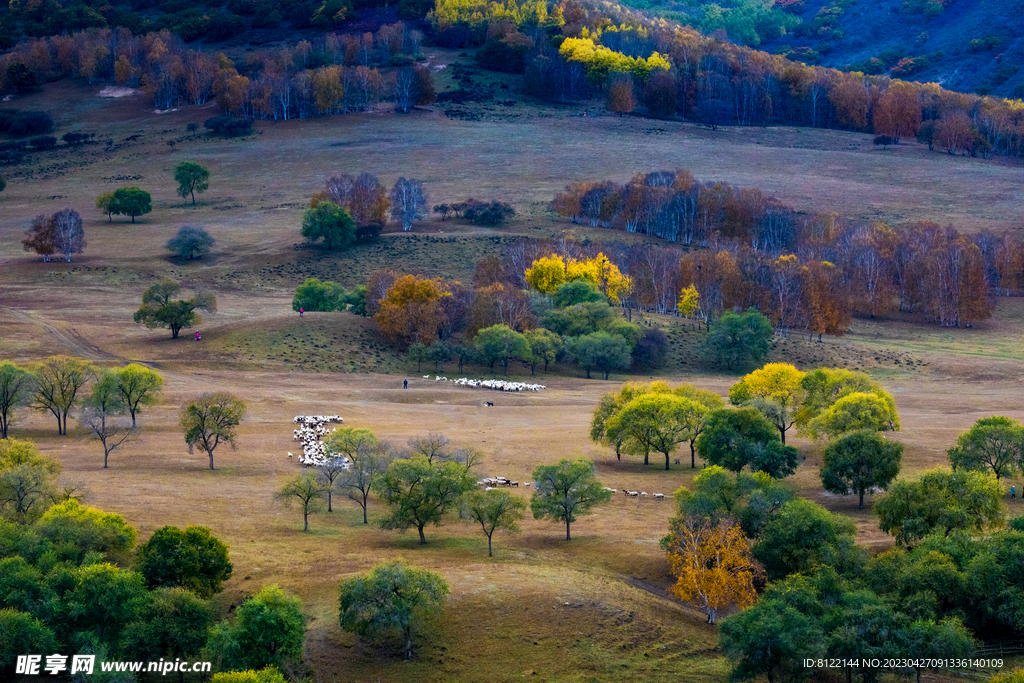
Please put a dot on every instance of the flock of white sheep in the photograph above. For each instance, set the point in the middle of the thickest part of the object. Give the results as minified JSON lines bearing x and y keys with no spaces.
{"x":491,"y":483}
{"x":636,"y":494}
{"x":495,"y":384}
{"x":310,"y":434}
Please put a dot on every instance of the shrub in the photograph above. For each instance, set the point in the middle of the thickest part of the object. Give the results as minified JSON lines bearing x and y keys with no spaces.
{"x":228,"y":126}
{"x":21,"y":123}
{"x":488,"y":213}
{"x":191,"y":242}
{"x":43,"y":142}
{"x":650,"y":351}
{"x":75,"y":139}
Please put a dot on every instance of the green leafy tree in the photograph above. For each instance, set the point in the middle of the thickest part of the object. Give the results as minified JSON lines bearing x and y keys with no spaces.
{"x":494,"y":510}
{"x":139,"y":386}
{"x":577,"y":292}
{"x":418,"y":353}
{"x":854,"y":412}
{"x":940,"y":501}
{"x":75,"y":533}
{"x":739,"y":339}
{"x":545,"y":346}
{"x":190,"y":242}
{"x":22,"y":586}
{"x":659,"y":421}
{"x":825,"y":386}
{"x":804,"y":535}
{"x":103,"y":407}
{"x":314,"y":295}
{"x":191,"y":558}
{"x":389,"y":600}
{"x":608,"y":433}
{"x":771,"y":639}
{"x":210,"y":419}
{"x":995,"y":443}
{"x":17,"y":385}
{"x":20,"y":632}
{"x":579,"y":319}
{"x":859,"y":461}
{"x":565,"y":491}
{"x":753,"y":498}
{"x":501,"y":343}
{"x":420,"y":492}
{"x":25,"y":492}
{"x":308,"y":491}
{"x":350,"y":442}
{"x":101,"y":599}
{"x":330,"y":223}
{"x":173,"y":625}
{"x":130,"y":201}
{"x":105,"y":203}
{"x":268,"y":630}
{"x":929,"y":640}
{"x":58,"y":380}
{"x":26,"y":480}
{"x":160,"y":310}
{"x":737,"y":438}
{"x":601,"y":350}
{"x":191,"y":178}
{"x":709,"y":400}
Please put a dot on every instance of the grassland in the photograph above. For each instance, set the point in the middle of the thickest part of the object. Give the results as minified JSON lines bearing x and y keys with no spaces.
{"x":595,"y":609}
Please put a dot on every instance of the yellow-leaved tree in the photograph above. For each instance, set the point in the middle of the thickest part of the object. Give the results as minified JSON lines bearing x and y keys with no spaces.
{"x":775,"y":390}
{"x":713,"y":563}
{"x":548,"y":272}
{"x":411,"y":311}
{"x":689,"y":302}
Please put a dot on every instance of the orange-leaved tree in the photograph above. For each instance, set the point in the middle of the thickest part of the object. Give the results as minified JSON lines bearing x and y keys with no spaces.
{"x":713,"y":563}
{"x":411,"y":310}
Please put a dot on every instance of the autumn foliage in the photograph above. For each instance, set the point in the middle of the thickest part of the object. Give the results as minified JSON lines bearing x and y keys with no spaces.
{"x":804,"y":272}
{"x":411,"y":311}
{"x":713,"y":564}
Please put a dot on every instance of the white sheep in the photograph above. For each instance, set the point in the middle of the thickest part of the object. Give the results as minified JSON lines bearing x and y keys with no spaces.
{"x":659,"y":496}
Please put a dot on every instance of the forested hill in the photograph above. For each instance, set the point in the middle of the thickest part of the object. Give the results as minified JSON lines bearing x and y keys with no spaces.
{"x":964,"y":45}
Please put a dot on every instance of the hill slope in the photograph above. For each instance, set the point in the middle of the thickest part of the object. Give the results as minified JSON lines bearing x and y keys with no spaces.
{"x":965,"y":45}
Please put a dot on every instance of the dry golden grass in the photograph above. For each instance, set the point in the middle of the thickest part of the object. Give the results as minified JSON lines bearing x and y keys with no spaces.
{"x":507,"y":617}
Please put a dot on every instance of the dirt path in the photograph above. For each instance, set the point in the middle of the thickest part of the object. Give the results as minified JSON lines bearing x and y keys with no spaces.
{"x":68,"y":338}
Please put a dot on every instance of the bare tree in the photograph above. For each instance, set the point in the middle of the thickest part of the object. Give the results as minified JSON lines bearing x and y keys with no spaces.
{"x":69,"y":235}
{"x":434,"y":446}
{"x":408,"y":202}
{"x":329,"y":472}
{"x":103,"y":413}
{"x":405,"y":90}
{"x":368,"y":465}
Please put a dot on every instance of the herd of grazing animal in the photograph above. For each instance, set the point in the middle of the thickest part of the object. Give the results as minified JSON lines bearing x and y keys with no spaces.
{"x":310,"y":434}
{"x":495,"y":384}
{"x":491,"y":483}
{"x":636,"y":494}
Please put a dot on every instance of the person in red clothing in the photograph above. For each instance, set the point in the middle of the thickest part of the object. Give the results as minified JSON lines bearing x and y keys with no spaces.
{"x":198,"y":337}
{"x":301,"y":311}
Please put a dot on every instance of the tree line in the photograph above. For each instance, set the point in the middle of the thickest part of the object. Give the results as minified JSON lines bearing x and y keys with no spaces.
{"x":576,"y":50}
{"x":336,"y":73}
{"x":567,"y":51}
{"x":809,"y":272}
